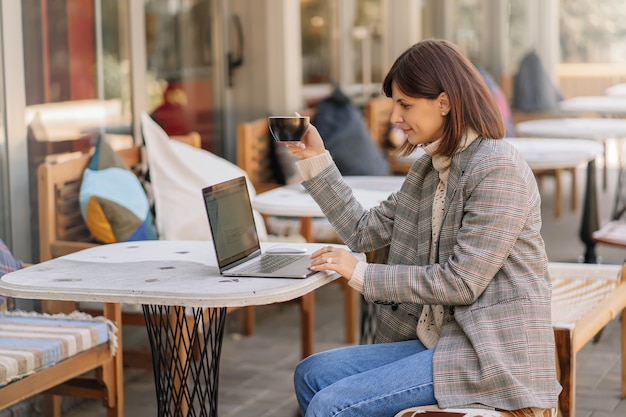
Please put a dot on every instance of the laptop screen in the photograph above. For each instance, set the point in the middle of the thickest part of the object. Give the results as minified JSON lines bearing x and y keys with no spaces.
{"x":231,"y":220}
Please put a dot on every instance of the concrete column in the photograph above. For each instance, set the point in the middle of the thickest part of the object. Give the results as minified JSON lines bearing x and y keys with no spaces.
{"x":402,"y":26}
{"x":496,"y":42}
{"x":14,"y":214}
{"x":543,"y":25}
{"x":284,"y":53}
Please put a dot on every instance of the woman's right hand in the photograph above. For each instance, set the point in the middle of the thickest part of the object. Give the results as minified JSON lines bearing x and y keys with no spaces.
{"x":310,"y":145}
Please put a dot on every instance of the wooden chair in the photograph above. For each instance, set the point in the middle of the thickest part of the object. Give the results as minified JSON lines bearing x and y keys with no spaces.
{"x":254,"y":152}
{"x":377,"y":113}
{"x":192,"y":139}
{"x":63,"y":231}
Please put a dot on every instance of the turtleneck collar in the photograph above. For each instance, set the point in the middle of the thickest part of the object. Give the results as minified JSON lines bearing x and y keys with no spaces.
{"x":442,"y":163}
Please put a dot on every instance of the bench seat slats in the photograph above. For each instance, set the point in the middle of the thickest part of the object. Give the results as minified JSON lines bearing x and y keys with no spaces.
{"x":32,"y":342}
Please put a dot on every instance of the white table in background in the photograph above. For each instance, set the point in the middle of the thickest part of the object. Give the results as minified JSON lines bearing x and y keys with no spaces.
{"x":599,"y":129}
{"x":577,"y":128}
{"x":168,"y":278}
{"x":294,"y":201}
{"x":617,"y":90}
{"x":558,"y":153}
{"x":542,"y":154}
{"x":602,"y":105}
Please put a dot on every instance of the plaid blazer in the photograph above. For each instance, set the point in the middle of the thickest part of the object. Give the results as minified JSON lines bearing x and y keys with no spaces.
{"x":497,"y":344}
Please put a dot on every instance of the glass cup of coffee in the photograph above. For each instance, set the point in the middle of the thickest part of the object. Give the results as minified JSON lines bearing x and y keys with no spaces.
{"x":288,"y":128}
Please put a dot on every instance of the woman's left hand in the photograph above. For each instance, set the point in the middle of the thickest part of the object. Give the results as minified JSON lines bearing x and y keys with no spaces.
{"x":330,"y":258}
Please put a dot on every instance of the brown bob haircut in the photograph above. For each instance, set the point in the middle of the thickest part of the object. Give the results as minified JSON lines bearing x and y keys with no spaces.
{"x":434,"y":66}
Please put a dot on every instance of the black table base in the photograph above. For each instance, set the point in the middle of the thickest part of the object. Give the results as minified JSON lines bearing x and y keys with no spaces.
{"x":590,"y":221}
{"x":186,"y":347}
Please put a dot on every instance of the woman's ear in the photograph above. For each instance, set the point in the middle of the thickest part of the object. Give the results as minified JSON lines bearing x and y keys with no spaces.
{"x":444,"y":104}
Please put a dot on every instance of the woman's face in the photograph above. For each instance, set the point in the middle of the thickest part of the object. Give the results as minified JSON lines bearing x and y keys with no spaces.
{"x":421,"y":119}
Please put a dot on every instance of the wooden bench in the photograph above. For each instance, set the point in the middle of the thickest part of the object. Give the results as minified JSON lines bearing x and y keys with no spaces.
{"x":93,"y":373}
{"x":62,"y":230}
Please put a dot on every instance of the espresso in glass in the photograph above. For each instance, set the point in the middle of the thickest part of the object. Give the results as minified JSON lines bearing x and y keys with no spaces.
{"x":288,"y":128}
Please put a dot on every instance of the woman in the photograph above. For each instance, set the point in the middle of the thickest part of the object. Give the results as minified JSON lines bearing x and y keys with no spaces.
{"x":464,"y":317}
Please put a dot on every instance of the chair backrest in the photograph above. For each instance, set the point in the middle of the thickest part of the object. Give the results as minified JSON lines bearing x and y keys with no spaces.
{"x":254,"y":153}
{"x":377,"y":113}
{"x":192,"y":138}
{"x":62,"y":229}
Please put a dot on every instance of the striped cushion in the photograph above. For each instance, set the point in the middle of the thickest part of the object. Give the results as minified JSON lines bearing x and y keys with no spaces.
{"x":30,"y":341}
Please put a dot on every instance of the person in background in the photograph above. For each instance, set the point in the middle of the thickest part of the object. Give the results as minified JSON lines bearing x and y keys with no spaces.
{"x":464,"y":317}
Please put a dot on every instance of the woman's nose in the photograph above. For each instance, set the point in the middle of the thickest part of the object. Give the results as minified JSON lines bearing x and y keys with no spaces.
{"x":396,"y":118}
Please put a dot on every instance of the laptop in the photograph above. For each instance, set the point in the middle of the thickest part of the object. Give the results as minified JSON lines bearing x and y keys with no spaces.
{"x":235,"y":237}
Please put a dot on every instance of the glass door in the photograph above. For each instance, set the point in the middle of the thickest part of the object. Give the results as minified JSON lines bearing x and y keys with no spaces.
{"x":182,"y":92}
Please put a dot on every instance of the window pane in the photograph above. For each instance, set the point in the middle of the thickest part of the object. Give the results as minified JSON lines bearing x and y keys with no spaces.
{"x":4,"y":162}
{"x":593,"y":31}
{"x":77,"y":81}
{"x":316,"y":41}
{"x":179,"y":62}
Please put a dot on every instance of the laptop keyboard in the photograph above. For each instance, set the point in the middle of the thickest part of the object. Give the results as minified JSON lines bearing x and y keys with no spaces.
{"x":269,"y":263}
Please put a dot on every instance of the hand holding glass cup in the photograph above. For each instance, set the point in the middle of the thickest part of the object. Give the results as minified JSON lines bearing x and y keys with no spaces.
{"x":288,"y":128}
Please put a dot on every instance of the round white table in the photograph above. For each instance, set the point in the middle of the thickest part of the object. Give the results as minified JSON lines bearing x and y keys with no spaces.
{"x":550,"y":153}
{"x":577,"y":128}
{"x":294,"y":201}
{"x":599,"y":129}
{"x":543,"y":155}
{"x":170,"y":279}
{"x":617,"y":90}
{"x":602,"y":105}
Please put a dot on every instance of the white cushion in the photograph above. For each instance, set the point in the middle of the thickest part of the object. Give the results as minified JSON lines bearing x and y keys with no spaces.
{"x":178,"y":172}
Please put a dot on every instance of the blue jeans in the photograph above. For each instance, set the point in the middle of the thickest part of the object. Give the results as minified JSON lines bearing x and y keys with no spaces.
{"x":365,"y":380}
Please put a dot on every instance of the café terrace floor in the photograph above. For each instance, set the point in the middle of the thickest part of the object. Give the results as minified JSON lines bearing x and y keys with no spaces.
{"x":256,"y":371}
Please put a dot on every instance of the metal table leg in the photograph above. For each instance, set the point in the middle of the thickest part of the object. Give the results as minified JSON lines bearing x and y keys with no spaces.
{"x":185,"y":356}
{"x":590,"y":218}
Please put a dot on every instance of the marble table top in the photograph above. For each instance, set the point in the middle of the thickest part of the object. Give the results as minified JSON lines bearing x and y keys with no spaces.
{"x":617,"y":90}
{"x":575,"y":128}
{"x":181,"y":273}
{"x":605,"y":105}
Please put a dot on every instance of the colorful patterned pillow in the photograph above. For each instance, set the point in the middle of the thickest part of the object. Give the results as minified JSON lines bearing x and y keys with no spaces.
{"x":112,"y":200}
{"x":8,"y":263}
